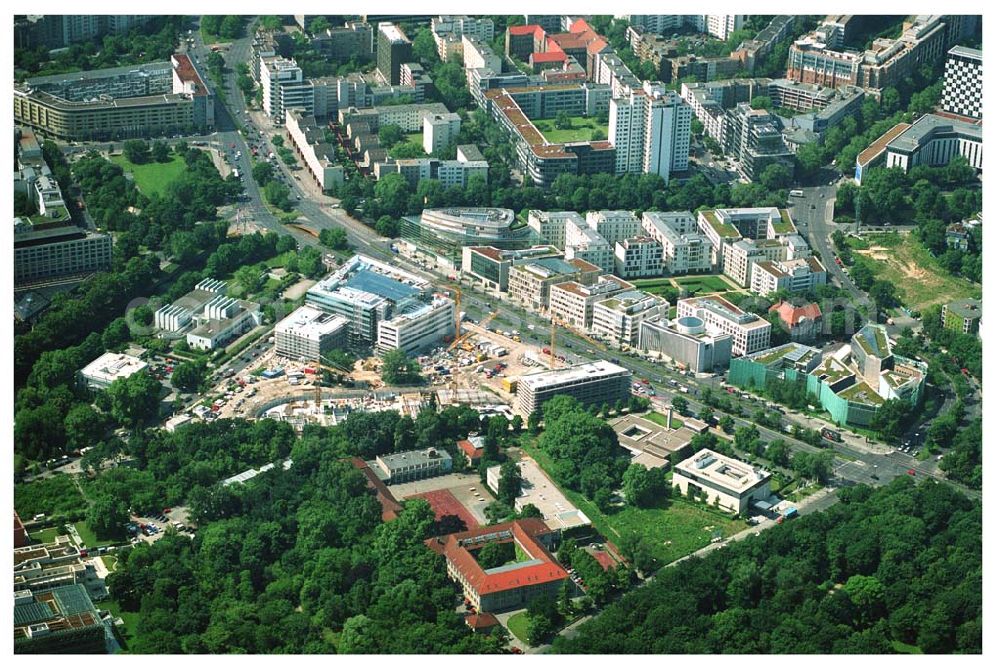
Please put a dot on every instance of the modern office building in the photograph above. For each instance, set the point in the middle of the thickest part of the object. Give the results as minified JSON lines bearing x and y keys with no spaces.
{"x":490,"y":266}
{"x":724,"y":228}
{"x":308,"y":334}
{"x":417,"y":326}
{"x":962,"y":316}
{"x":934,"y":140}
{"x":354,"y":39}
{"x":874,"y":154}
{"x":309,"y":140}
{"x":638,"y":257}
{"x":651,"y":131}
{"x":411,"y":465}
{"x":788,"y":362}
{"x":727,"y":482}
{"x":117,"y":103}
{"x":687,"y":341}
{"x":221,"y":321}
{"x":392,"y":49}
{"x":750,"y":332}
{"x":61,"y":620}
{"x":963,"y":82}
{"x":109,"y":368}
{"x":365,"y":292}
{"x":45,"y":250}
{"x":617,"y":319}
{"x":443,"y":233}
{"x":177,"y":316}
{"x":448,"y":172}
{"x":755,"y":139}
{"x":536,"y":574}
{"x":572,"y":303}
{"x":795,"y":276}
{"x":529,"y":282}
{"x":592,"y":383}
{"x":685,"y":249}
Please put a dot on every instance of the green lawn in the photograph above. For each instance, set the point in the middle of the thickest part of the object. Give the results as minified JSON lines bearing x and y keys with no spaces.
{"x":88,"y":536}
{"x":44,"y":536}
{"x":130,"y":620}
{"x":673,"y":312}
{"x":663,"y":287}
{"x":582,"y":129}
{"x":518,"y":625}
{"x":110,"y":562}
{"x":660,"y":419}
{"x":704,"y":284}
{"x":919,"y":280}
{"x":673,"y":532}
{"x":415,"y":138}
{"x":152,"y":177}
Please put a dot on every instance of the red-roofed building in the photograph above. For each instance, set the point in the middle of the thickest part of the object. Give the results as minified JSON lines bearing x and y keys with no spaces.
{"x":522,"y":40}
{"x":509,"y":586}
{"x":547,"y":60}
{"x":390,"y":507}
{"x":804,"y":324}
{"x":481,"y":622}
{"x":473,"y":449}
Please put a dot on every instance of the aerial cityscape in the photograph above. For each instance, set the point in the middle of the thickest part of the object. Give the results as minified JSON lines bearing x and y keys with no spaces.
{"x":506,"y":334}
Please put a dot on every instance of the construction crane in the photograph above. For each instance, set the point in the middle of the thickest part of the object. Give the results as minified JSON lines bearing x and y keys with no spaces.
{"x":483,"y":323}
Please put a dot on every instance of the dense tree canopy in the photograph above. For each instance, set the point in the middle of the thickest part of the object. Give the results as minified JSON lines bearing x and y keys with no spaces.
{"x":901,"y":564}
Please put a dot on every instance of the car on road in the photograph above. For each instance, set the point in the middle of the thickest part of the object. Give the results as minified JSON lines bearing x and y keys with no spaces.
{"x":911,"y":472}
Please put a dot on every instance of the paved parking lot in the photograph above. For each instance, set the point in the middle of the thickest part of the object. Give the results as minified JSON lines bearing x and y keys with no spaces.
{"x":458,"y":485}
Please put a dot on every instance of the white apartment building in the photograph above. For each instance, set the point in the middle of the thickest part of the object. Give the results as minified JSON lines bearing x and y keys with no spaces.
{"x":614,"y":226}
{"x":448,"y":32}
{"x":308,"y":333}
{"x":284,"y":88}
{"x":550,"y":226}
{"x":651,"y":131}
{"x":417,"y":327}
{"x":572,"y":302}
{"x":724,"y":227}
{"x":740,"y":257}
{"x":440,"y":130}
{"x":720,"y":26}
{"x":723,"y":25}
{"x":750,"y":332}
{"x":309,"y":142}
{"x":685,"y":249}
{"x":49,"y":197}
{"x":584,"y":243}
{"x":476,"y":54}
{"x":638,"y":257}
{"x":617,"y":319}
{"x":796,"y":276}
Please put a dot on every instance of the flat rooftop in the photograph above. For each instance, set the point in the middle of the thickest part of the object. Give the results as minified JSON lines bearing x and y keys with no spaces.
{"x":728,"y":473}
{"x":876,"y":148}
{"x":538,"y":489}
{"x":589,"y":370}
{"x":932,"y":124}
{"x":310,"y":322}
{"x":966,"y":308}
{"x":792,"y":353}
{"x":112,"y":366}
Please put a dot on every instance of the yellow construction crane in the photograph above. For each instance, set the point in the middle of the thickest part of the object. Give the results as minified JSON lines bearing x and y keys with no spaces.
{"x":483,"y":323}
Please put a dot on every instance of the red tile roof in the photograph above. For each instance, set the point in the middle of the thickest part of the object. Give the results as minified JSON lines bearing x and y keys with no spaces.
{"x":790,"y":314}
{"x":606,"y":561}
{"x":455,"y":548}
{"x":532,"y":29}
{"x":187,"y":73}
{"x":548,"y":57}
{"x":470,"y":449}
{"x":481,"y":621}
{"x":390,"y":507}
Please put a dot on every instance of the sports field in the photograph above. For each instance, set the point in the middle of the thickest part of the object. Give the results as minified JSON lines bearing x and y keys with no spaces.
{"x":446,"y":504}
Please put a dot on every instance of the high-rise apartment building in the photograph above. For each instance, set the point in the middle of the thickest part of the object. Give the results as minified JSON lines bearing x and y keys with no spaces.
{"x":651,"y":131}
{"x":392,"y":49}
{"x":963,"y":82}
